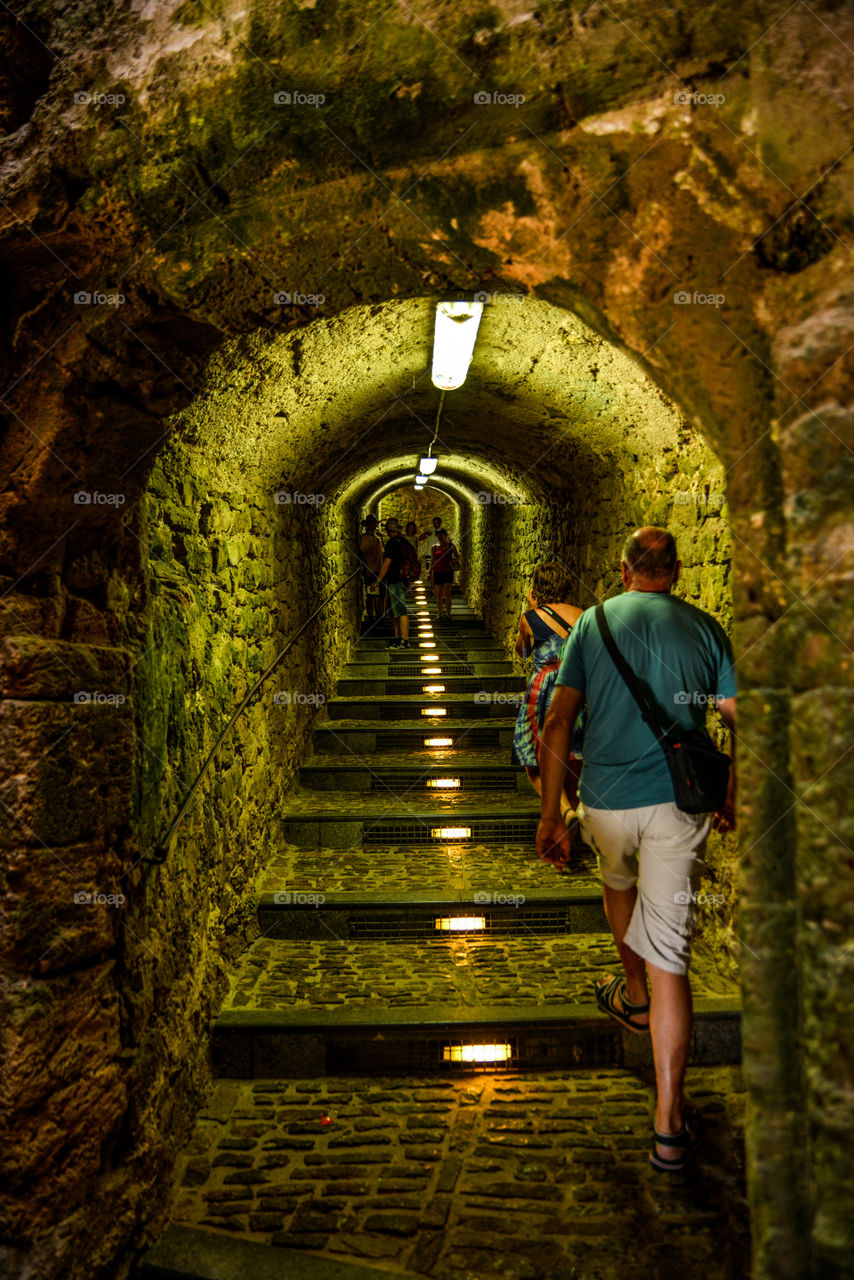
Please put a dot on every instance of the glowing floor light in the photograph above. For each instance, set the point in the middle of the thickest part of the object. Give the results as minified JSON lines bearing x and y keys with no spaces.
{"x":428,"y":644}
{"x":476,"y":1052}
{"x":460,"y":924}
{"x":453,"y":342}
{"x":434,"y":711}
{"x":432,"y":688}
{"x":438,"y":742}
{"x":431,"y":671}
{"x":444,"y":784}
{"x":450,"y":833}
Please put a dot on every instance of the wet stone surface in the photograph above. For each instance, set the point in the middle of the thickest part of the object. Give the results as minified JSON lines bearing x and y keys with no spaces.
{"x":513,"y":1176}
{"x":529,"y":972}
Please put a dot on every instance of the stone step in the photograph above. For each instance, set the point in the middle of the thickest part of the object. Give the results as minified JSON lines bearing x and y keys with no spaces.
{"x":188,"y":1253}
{"x":307,"y":1008}
{"x":348,"y":735}
{"x":427,"y":665}
{"x":457,"y":641}
{"x":391,"y":659}
{"x":391,"y":915}
{"x":331,"y":820}
{"x":426,"y":709}
{"x":398,"y":686}
{"x":417,"y":781}
{"x":441,"y":873}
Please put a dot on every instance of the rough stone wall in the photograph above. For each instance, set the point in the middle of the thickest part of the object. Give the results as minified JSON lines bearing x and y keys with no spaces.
{"x":405,"y":504}
{"x":618,"y":189}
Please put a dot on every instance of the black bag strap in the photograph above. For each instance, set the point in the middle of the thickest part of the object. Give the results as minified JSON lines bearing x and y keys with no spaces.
{"x":648,"y":708}
{"x":567,"y":626}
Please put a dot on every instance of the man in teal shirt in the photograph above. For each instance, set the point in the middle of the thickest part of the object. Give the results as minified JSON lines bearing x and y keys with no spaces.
{"x":650,"y":852}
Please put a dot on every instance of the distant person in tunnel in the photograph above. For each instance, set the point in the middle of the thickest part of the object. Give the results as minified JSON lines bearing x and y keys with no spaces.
{"x":371,"y":554}
{"x":650,"y":851}
{"x":428,"y":540}
{"x":445,"y":559}
{"x":394,"y":573}
{"x":543,"y":629}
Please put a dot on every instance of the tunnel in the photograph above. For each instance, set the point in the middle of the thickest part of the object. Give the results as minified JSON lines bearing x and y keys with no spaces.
{"x":286,"y":989}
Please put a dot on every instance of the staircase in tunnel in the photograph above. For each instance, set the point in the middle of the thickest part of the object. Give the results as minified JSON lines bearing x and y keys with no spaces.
{"x":409,"y":926}
{"x":398,"y":1094}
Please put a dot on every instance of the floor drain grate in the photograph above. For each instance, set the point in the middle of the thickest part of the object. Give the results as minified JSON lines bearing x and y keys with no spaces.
{"x":414,"y":740}
{"x":450,"y":830}
{"x":461,"y":783}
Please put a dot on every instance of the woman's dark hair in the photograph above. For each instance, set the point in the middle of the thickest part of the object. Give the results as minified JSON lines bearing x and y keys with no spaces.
{"x":439,"y":533}
{"x":410,"y":524}
{"x":551,"y":582}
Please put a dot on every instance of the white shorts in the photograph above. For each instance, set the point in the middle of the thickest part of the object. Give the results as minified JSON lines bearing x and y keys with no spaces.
{"x":660,"y":849}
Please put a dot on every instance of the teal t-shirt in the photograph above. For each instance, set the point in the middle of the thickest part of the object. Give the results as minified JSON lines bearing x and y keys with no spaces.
{"x":686,"y":660}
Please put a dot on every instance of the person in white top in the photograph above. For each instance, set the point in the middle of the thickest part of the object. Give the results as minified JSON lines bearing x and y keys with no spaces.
{"x":427,"y":542}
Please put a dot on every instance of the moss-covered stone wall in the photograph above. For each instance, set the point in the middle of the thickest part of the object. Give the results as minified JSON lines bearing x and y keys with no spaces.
{"x":661,"y":161}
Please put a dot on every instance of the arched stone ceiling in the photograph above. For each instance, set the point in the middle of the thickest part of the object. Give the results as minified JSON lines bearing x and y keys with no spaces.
{"x":348,"y":400}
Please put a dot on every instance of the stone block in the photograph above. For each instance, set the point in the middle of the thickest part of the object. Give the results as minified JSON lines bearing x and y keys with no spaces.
{"x":60,"y":908}
{"x":32,"y":667}
{"x":69,"y":771}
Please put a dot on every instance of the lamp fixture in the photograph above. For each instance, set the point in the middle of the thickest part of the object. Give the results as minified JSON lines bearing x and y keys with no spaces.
{"x":453,"y":342}
{"x":428,"y":465}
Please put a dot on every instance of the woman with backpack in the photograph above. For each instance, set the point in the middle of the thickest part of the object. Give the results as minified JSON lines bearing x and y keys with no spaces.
{"x":543,"y":629}
{"x":445,"y":559}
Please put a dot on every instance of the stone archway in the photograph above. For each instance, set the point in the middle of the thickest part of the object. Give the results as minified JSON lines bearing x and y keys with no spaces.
{"x":610,"y":197}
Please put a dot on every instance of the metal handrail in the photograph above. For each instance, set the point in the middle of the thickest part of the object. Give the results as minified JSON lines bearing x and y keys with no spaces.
{"x":161,"y":848}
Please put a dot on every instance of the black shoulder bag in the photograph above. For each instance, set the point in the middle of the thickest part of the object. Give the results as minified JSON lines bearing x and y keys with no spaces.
{"x":699,"y":772}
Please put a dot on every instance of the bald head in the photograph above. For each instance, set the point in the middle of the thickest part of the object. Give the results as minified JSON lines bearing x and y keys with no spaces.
{"x":649,"y":555}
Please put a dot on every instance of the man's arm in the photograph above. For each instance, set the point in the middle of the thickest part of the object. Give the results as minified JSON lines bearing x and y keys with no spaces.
{"x":724,"y":819}
{"x":384,"y":570}
{"x":555,"y":739}
{"x":522,"y":649}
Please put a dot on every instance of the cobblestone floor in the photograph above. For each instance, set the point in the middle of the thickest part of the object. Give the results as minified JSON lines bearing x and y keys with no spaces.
{"x":449,"y":869}
{"x":529,"y":972}
{"x":528,"y":1177}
